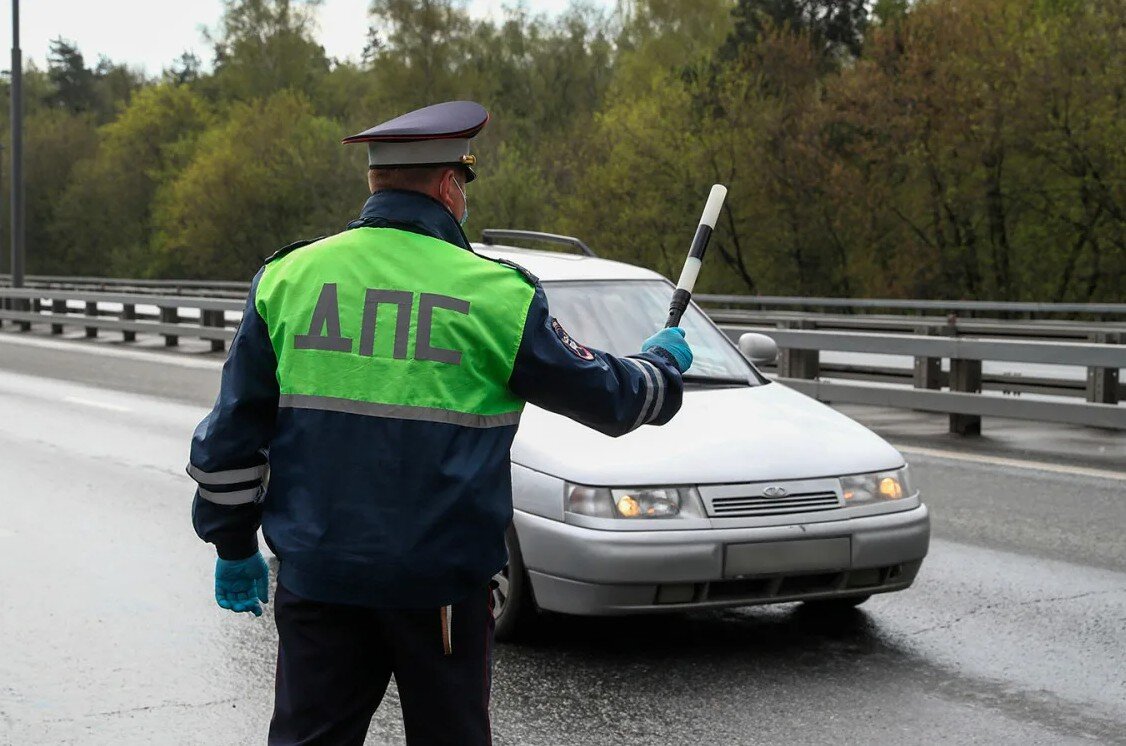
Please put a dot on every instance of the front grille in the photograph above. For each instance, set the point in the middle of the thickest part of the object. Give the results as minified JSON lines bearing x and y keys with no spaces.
{"x":796,"y":585}
{"x":760,"y":505}
{"x":776,"y":588}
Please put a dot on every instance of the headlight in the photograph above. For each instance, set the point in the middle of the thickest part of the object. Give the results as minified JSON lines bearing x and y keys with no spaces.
{"x":640,"y":503}
{"x":880,"y":486}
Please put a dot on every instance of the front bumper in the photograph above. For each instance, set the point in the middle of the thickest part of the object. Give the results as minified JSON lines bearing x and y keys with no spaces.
{"x":579,"y":570}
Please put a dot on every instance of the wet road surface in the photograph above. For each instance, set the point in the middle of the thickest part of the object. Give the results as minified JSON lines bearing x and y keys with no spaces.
{"x":1015,"y":631}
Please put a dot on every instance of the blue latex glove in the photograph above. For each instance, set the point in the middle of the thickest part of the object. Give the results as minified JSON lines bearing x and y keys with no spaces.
{"x":241,"y":584}
{"x":671,"y":342}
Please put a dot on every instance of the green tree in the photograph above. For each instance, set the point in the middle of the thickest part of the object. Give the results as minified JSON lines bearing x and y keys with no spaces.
{"x":79,"y":89}
{"x":107,"y":227}
{"x":511,"y":192}
{"x":185,"y":69}
{"x":633,"y":169}
{"x":271,"y":173}
{"x":424,"y":45}
{"x":835,"y":27}
{"x":72,"y":80}
{"x":642,"y":181}
{"x":1070,"y":105}
{"x":264,"y":46}
{"x":956,"y":108}
{"x":950,"y":148}
{"x":54,"y":140}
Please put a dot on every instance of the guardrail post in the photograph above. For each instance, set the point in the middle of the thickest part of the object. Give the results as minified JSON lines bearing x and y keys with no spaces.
{"x":928,"y":370}
{"x":213,"y":318}
{"x":91,"y":310}
{"x":799,"y":363}
{"x":1102,"y":383}
{"x":965,"y":376}
{"x":21,"y":304}
{"x":58,"y":307}
{"x":34,"y":305}
{"x":170,"y":316}
{"x":128,"y":313}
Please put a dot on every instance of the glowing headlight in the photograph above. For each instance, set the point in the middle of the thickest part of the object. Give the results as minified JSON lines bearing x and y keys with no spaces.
{"x":640,"y":503}
{"x":863,"y":489}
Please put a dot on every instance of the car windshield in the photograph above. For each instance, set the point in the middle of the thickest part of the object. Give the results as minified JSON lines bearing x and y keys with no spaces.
{"x":618,"y":316}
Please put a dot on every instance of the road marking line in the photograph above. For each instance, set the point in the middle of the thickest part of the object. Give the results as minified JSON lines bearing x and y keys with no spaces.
{"x":151,"y":356}
{"x":1013,"y":462}
{"x":96,"y":404}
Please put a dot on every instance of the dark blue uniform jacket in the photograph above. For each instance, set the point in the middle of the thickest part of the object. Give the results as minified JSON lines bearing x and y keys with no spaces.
{"x":375,"y":511}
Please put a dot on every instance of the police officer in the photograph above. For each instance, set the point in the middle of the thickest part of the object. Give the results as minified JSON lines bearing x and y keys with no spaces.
{"x":377,"y":379}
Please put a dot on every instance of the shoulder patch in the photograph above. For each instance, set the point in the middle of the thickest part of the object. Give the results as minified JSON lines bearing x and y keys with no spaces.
{"x":569,"y":342}
{"x":291,"y":247}
{"x":527,"y":275}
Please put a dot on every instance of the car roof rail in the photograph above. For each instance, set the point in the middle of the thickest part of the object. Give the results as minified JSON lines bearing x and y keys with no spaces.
{"x":490,"y":236}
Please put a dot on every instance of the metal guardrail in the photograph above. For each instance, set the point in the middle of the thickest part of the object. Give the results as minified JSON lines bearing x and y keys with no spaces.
{"x":962,"y":348}
{"x":946,"y":306}
{"x":113,"y":305}
{"x":860,"y":306}
{"x":965,"y":409}
{"x":800,"y":367}
{"x":128,"y":313}
{"x":209,"y":288}
{"x":952,"y":325}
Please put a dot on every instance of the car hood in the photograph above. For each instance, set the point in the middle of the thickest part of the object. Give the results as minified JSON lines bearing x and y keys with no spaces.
{"x":720,"y":435}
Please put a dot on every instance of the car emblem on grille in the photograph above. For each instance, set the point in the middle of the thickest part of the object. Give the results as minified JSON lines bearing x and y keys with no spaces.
{"x":774,"y":491}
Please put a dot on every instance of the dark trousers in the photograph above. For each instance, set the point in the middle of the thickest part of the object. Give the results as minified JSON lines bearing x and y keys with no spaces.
{"x":335,"y":661}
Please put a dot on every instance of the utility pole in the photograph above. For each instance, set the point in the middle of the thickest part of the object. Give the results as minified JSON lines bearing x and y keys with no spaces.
{"x":18,"y":233}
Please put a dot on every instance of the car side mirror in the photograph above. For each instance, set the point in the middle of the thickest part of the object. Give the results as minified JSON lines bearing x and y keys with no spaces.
{"x":758,"y":348}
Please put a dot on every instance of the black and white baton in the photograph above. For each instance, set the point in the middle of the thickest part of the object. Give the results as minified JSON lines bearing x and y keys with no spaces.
{"x":695,"y":258}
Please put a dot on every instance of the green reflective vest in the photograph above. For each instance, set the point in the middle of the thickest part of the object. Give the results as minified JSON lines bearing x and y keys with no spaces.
{"x":386,"y":322}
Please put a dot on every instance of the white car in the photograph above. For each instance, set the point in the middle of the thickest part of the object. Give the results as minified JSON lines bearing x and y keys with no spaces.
{"x":752,"y":494}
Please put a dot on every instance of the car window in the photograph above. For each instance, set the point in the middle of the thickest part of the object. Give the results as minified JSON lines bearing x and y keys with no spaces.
{"x":618,"y":316}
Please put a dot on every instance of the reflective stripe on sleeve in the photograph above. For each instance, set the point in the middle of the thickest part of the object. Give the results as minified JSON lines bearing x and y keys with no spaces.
{"x":227,"y":476}
{"x":658,"y":379}
{"x":238,"y":497}
{"x":647,"y":380}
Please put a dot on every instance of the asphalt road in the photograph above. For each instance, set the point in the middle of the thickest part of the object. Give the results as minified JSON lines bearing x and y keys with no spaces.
{"x":1015,"y":631}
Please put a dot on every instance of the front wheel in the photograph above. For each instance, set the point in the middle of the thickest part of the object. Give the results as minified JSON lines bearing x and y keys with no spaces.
{"x":514,"y":610}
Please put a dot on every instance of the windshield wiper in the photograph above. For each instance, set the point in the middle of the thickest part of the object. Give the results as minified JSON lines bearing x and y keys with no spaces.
{"x":715,"y":380}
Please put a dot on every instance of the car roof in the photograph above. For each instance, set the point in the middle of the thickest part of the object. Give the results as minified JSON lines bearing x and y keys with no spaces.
{"x":555,"y":266}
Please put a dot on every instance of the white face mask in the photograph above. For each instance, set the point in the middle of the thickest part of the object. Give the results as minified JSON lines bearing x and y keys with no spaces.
{"x":464,"y":201}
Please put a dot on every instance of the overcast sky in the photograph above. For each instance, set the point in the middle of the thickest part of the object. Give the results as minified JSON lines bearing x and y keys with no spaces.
{"x":152,"y":33}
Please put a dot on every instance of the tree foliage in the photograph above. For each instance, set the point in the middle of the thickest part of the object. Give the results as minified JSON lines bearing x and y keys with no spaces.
{"x":272,"y":171}
{"x":143,"y":150}
{"x":265,"y":46}
{"x":936,"y":148}
{"x":834,"y":28}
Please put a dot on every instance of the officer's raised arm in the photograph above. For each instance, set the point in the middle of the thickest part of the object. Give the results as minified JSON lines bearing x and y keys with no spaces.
{"x":229,"y":460}
{"x":614,"y":395}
